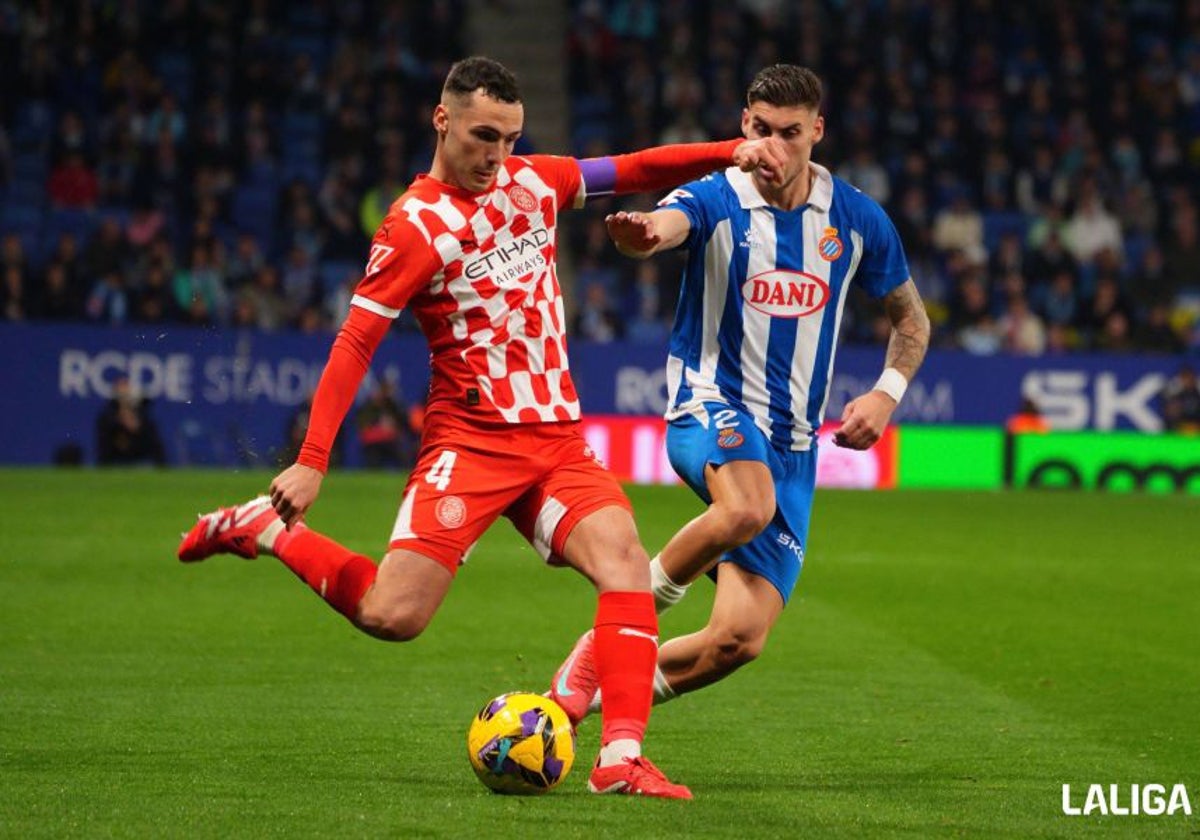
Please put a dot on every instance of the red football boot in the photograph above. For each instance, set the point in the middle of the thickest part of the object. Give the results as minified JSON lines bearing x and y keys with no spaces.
{"x":243,"y":530}
{"x":576,"y":681}
{"x":635,"y":777}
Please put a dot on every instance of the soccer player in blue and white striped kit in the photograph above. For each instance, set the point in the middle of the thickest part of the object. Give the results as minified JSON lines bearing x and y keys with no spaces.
{"x":770,"y":261}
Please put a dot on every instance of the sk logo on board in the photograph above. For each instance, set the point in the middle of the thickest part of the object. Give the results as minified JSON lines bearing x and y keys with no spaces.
{"x":829,"y":246}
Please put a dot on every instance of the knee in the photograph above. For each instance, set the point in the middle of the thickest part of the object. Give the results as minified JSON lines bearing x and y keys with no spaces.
{"x":392,"y":624}
{"x":733,"y":648}
{"x":742,"y":523}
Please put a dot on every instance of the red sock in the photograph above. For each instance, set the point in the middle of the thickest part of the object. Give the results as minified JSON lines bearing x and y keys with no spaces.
{"x":334,"y":572}
{"x":626,"y":653}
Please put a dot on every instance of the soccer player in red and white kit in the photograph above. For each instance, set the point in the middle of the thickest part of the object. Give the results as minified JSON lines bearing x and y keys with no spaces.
{"x":470,"y":247}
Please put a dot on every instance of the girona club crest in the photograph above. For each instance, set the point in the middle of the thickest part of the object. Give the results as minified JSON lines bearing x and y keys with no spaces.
{"x":451,"y":511}
{"x":522,"y":199}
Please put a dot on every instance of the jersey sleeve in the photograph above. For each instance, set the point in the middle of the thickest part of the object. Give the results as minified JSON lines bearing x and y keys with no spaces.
{"x":561,"y":173}
{"x":698,"y":200}
{"x":883,"y":266}
{"x":402,"y":262}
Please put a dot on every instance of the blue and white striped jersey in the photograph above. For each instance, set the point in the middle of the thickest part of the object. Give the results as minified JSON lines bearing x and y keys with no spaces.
{"x":763,"y":293}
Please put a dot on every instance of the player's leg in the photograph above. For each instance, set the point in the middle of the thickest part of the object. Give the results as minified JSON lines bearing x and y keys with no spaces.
{"x":726,"y":462}
{"x":745,"y":608}
{"x":578,"y":514}
{"x":604,"y":546}
{"x":743,"y":501}
{"x":753,"y":584}
{"x":394,"y":601}
{"x":455,"y":492}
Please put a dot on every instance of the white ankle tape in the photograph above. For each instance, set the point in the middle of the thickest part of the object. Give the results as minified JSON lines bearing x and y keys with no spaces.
{"x":667,"y":592}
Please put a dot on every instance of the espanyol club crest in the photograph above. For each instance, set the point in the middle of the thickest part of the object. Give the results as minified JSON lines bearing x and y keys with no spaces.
{"x":730,"y":438}
{"x":829,"y":247}
{"x":522,"y":199}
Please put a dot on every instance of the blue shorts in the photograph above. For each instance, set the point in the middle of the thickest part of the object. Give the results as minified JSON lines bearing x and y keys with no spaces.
{"x":776,"y":554}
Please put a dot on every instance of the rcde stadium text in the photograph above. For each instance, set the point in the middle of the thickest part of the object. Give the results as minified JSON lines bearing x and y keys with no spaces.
{"x":173,"y":377}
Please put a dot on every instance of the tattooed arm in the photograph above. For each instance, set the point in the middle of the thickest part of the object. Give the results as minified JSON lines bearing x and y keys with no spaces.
{"x":910,"y":329}
{"x":867,"y":416}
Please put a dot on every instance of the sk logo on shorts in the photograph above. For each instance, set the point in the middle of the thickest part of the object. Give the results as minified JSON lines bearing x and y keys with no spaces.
{"x":829,"y":246}
{"x":729,"y":439}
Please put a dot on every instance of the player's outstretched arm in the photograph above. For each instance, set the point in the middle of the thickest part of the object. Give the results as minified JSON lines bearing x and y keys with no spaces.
{"x":665,"y":167}
{"x":639,"y":235}
{"x":865,"y":417}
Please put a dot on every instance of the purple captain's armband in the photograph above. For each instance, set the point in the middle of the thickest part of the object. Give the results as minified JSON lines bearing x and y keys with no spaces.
{"x":599,"y":176}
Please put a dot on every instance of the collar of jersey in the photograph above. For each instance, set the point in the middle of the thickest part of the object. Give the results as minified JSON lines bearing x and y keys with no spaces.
{"x":457,"y":192}
{"x":749,"y":197}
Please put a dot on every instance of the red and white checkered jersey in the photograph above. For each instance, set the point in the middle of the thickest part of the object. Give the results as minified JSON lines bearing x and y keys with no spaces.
{"x":478,"y":271}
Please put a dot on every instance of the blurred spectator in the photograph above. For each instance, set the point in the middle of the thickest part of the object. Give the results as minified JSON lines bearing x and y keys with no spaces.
{"x":648,"y":323}
{"x":107,"y":251}
{"x":200,"y":288}
{"x":108,"y":302}
{"x":154,"y":300}
{"x":1022,"y":331}
{"x":1181,"y":402}
{"x":268,"y":309}
{"x":596,"y":319}
{"x":245,"y":261}
{"x":58,"y":300}
{"x":14,"y":294}
{"x":1091,"y":228}
{"x":971,"y":318}
{"x":125,"y":432}
{"x":959,"y":227}
{"x":1155,"y":333}
{"x":384,"y":432}
{"x":73,"y":184}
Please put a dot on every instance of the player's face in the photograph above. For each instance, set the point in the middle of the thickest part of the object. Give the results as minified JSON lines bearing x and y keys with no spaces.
{"x":798,"y":127}
{"x":475,"y":136}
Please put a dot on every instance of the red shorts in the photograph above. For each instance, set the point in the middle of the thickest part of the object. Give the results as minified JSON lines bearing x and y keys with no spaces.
{"x":544,"y":477}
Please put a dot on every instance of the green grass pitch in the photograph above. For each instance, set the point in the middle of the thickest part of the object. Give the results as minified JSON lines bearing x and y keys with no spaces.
{"x":947,"y":663}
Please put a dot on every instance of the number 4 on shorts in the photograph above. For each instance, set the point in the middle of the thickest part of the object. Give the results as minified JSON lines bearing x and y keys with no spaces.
{"x":439,"y":473}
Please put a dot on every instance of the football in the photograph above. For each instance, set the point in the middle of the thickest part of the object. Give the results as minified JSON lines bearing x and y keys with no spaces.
{"x":521,"y":743}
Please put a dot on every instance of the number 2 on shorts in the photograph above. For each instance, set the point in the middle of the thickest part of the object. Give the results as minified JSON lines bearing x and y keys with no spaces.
{"x":439,"y":473}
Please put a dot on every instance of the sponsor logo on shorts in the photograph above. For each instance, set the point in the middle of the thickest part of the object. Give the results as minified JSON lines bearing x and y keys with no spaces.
{"x":523,"y":199}
{"x":791,"y":544}
{"x":730,"y":439}
{"x":451,"y":511}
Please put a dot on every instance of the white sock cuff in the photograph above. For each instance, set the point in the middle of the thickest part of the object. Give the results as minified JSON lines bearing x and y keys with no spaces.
{"x":619,"y":749}
{"x":667,"y":592}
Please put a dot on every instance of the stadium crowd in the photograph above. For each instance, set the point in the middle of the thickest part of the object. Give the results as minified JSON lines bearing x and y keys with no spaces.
{"x":1038,"y":159}
{"x":201,"y":162}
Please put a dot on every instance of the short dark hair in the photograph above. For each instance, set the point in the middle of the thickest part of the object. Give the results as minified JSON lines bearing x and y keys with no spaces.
{"x":477,"y":72}
{"x":785,"y":85}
